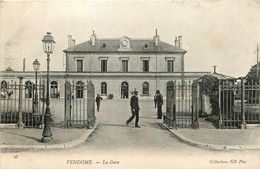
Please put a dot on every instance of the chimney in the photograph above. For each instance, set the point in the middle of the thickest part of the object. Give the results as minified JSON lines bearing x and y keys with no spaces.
{"x":73,"y":42}
{"x":69,"y":40}
{"x":215,"y":69}
{"x":176,"y":41}
{"x":156,"y":38}
{"x":24,"y":64}
{"x":93,"y":39}
{"x":180,"y":41}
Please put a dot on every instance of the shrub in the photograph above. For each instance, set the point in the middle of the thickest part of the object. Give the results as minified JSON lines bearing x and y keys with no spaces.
{"x":210,"y":87}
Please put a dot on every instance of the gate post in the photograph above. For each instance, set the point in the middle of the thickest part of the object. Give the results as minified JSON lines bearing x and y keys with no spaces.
{"x":197,"y":105}
{"x":20,"y":120}
{"x":67,"y":113}
{"x":91,"y":118}
{"x":219,"y":105}
{"x":243,"y":125}
{"x":170,"y":105}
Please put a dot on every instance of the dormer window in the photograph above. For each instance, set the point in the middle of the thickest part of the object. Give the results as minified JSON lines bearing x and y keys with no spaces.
{"x":146,"y":46}
{"x":104,"y":46}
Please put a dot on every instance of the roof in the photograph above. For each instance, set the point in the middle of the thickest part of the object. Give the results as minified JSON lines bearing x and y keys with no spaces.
{"x":112,"y":46}
{"x":221,"y":76}
{"x":217,"y":75}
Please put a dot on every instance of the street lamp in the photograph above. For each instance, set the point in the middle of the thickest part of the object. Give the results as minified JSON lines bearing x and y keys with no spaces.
{"x":36,"y":67}
{"x":48,"y":46}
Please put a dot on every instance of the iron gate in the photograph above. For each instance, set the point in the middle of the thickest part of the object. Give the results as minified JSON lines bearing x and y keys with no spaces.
{"x":179,"y":105}
{"x":22,"y":102}
{"x":239,"y":103}
{"x":79,"y":105}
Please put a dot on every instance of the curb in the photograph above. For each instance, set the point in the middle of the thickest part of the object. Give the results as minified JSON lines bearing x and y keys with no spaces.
{"x":51,"y":146}
{"x":210,"y":146}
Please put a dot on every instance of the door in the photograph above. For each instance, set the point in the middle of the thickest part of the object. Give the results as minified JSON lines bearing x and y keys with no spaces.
{"x":124,"y":90}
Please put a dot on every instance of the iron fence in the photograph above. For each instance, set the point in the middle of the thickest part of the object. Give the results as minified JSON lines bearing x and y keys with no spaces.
{"x":22,"y":100}
{"x":79,"y":104}
{"x":239,"y":103}
{"x":179,"y":105}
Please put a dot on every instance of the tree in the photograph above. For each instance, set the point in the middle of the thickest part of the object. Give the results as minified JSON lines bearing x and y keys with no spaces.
{"x":251,"y":76}
{"x":253,"y":94}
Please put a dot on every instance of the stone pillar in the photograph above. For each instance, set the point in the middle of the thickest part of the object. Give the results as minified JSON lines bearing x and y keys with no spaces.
{"x":20,"y":120}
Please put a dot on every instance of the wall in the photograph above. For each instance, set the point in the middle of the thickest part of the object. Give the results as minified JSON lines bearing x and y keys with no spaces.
{"x":206,"y":105}
{"x":92,"y":62}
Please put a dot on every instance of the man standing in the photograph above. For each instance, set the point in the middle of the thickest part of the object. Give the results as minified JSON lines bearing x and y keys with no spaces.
{"x":135,"y":109}
{"x":159,"y":104}
{"x":98,"y":99}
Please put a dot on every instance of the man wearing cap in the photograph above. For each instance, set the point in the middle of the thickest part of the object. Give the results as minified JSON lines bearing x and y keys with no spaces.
{"x":98,"y":99}
{"x":159,"y":104}
{"x":135,"y":109}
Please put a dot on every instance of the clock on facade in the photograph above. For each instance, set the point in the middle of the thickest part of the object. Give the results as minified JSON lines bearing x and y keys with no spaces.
{"x":124,"y":42}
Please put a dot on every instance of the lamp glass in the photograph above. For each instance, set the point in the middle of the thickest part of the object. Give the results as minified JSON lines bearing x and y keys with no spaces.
{"x":36,"y":65}
{"x":48,"y":43}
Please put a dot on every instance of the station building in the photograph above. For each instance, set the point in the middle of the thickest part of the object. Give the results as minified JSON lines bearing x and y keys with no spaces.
{"x":116,"y":67}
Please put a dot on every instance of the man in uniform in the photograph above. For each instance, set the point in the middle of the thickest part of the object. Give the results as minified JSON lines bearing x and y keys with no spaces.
{"x":159,"y":104}
{"x":98,"y":99}
{"x":135,"y":109}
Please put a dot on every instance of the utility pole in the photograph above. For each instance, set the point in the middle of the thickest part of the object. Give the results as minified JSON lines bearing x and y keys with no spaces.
{"x":257,"y":68}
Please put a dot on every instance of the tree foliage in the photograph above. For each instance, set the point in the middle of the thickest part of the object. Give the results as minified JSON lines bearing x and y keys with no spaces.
{"x":210,"y":87}
{"x":251,"y":76}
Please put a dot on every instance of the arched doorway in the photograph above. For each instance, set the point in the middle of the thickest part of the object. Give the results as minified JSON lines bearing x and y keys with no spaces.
{"x":124,"y":90}
{"x":54,"y":89}
{"x":28,"y":89}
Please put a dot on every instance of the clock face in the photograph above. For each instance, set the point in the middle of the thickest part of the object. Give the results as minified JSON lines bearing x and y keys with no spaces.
{"x":124,"y":42}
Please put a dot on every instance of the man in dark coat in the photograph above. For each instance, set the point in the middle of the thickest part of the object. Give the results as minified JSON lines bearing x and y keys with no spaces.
{"x":98,"y":99}
{"x":159,"y":104}
{"x":135,"y":109}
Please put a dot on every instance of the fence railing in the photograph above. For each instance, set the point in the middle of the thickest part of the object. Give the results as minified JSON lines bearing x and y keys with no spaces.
{"x":239,"y":103}
{"x":79,"y":105}
{"x":22,"y":102}
{"x":179,"y":105}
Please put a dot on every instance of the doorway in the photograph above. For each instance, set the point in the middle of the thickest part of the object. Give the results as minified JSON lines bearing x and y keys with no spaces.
{"x":124,"y":90}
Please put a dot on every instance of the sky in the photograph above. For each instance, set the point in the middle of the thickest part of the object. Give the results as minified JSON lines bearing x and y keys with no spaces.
{"x":215,"y":32}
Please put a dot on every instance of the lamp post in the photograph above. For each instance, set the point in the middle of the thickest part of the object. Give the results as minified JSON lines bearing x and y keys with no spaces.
{"x":48,"y":46}
{"x":36,"y":67}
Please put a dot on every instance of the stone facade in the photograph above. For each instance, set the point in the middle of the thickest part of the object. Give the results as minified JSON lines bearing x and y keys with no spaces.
{"x":151,"y":63}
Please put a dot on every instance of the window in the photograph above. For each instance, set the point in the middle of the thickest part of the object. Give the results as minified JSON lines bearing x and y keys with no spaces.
{"x":146,"y":65}
{"x":103,"y":88}
{"x":28,"y":89}
{"x":170,"y":66}
{"x":125,"y":65}
{"x":79,"y":89}
{"x":145,"y":88}
{"x":103,"y":65}
{"x":54,"y":89}
{"x":79,"y":65}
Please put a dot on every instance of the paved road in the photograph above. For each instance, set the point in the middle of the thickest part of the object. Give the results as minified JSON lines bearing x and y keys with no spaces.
{"x":114,"y":135}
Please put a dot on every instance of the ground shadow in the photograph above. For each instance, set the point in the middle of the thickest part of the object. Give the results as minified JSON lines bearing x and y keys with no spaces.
{"x":157,"y":125}
{"x":33,"y":138}
{"x":116,"y":125}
